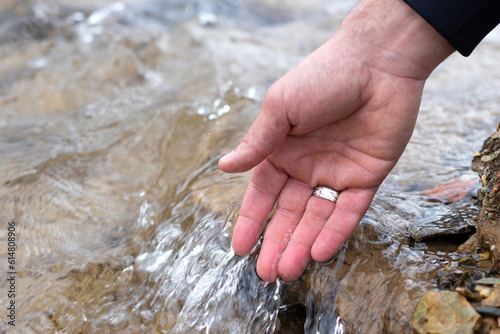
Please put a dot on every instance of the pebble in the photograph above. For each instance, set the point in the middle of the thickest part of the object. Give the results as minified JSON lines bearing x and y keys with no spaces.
{"x":483,"y":290}
{"x":493,"y":298}
{"x":445,"y":312}
{"x":488,"y":311}
{"x":488,"y":281}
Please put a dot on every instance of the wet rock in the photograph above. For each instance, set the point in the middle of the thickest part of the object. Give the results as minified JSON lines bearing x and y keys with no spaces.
{"x":445,"y":312}
{"x":469,"y":246}
{"x":458,"y":221}
{"x":488,"y":311}
{"x":488,"y":281}
{"x":493,"y":298}
{"x":487,"y":164}
{"x":448,"y":278}
{"x":485,"y":264}
{"x":461,"y":275}
{"x":490,"y":326}
{"x":466,"y":261}
{"x":471,"y":295}
{"x":455,"y":190}
{"x":483,"y":290}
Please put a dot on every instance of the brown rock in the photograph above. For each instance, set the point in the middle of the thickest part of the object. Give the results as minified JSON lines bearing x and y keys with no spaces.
{"x":469,"y":246}
{"x":493,"y":298}
{"x":488,"y":170}
{"x":445,"y":312}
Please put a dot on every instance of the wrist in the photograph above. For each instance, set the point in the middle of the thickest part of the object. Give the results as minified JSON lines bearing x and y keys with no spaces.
{"x":391,"y":37}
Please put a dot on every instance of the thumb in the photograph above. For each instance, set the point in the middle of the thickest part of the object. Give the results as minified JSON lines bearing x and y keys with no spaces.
{"x":266,"y":134}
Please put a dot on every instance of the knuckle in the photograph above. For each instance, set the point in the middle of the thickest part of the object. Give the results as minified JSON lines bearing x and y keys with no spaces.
{"x":274,"y":98}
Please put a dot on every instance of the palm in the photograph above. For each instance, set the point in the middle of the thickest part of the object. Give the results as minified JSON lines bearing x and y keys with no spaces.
{"x":359,"y":157}
{"x":345,"y":128}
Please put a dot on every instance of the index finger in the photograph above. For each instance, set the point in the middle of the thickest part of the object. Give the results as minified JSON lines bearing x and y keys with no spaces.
{"x":265,"y":185}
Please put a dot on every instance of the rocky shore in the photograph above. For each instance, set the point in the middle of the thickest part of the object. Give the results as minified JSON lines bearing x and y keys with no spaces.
{"x":469,"y":297}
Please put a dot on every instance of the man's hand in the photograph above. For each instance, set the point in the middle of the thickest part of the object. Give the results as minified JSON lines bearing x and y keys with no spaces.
{"x":340,"y":119}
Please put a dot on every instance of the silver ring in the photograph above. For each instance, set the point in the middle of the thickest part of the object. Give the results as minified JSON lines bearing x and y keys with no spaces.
{"x":326,"y":193}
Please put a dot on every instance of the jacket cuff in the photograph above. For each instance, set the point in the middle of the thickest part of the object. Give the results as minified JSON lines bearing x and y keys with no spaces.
{"x":463,"y":23}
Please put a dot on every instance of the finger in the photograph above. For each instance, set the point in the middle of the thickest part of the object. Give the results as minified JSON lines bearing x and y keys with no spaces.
{"x":261,"y":194}
{"x":349,"y":210}
{"x":267,"y":132}
{"x":291,"y":206}
{"x":297,"y":254}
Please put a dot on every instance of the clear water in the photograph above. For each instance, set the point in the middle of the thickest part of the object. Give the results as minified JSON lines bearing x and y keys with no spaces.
{"x":112,"y":119}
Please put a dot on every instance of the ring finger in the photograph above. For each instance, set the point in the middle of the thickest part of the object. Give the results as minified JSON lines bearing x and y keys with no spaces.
{"x":297,"y":254}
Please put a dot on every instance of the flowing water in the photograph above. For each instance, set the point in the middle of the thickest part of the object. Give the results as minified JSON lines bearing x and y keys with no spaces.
{"x":112,"y":118}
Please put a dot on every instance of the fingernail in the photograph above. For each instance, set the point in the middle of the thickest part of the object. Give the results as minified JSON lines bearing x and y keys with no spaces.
{"x":227,"y":156}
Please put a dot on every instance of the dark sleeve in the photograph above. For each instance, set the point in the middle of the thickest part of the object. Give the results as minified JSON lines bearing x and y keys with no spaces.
{"x":464,"y":23}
